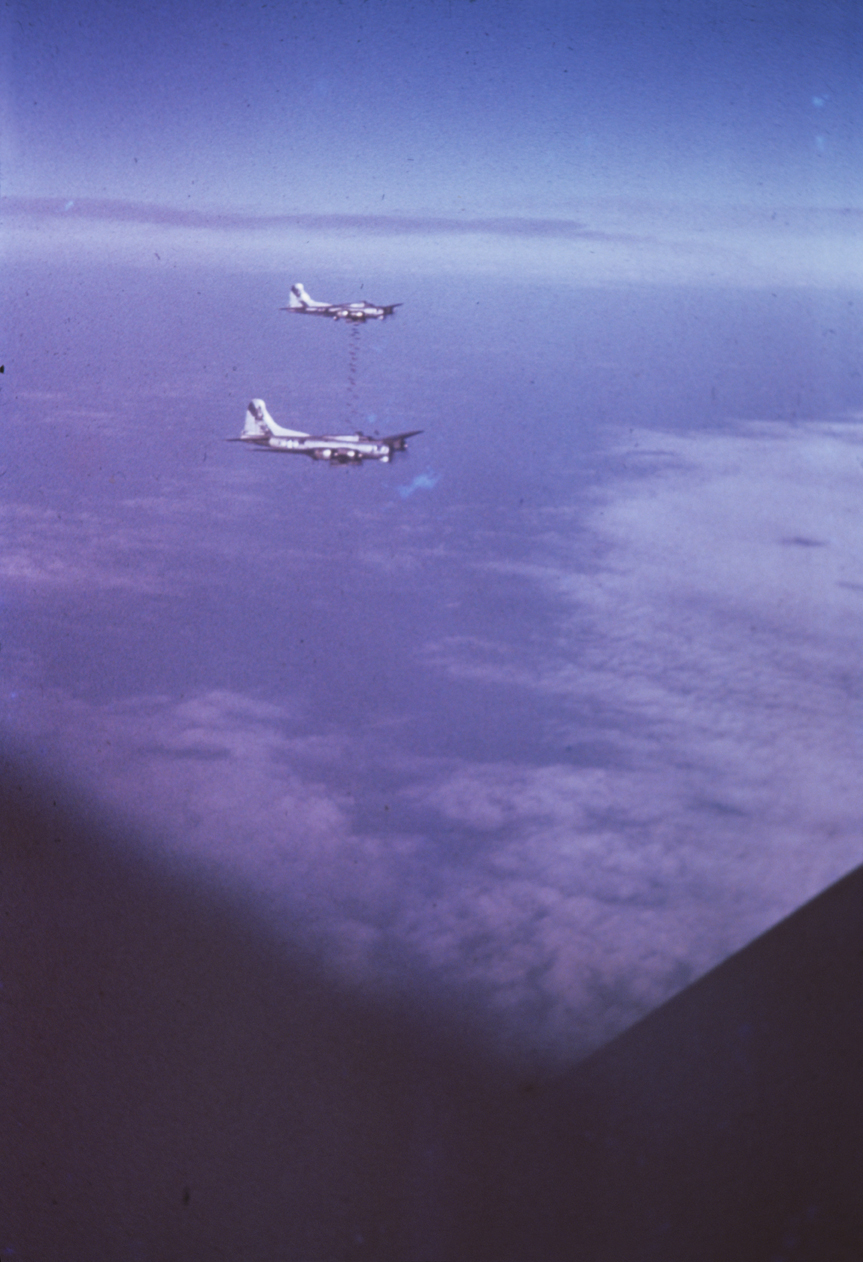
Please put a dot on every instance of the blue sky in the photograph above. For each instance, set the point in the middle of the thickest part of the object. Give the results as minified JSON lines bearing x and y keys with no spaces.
{"x":456,"y":106}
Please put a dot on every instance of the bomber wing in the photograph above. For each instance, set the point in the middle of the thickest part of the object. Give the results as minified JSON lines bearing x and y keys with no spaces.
{"x":397,"y":441}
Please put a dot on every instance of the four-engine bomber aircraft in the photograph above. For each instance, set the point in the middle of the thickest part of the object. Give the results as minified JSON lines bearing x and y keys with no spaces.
{"x":261,"y":430}
{"x":357,"y":312}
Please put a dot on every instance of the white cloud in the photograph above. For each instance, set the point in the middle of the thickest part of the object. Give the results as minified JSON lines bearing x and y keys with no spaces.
{"x":716,"y":648}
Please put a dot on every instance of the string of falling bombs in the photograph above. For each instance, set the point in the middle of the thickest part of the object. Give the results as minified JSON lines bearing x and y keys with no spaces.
{"x":353,"y":394}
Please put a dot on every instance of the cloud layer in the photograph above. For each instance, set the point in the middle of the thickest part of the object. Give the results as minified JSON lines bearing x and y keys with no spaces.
{"x":610,"y":242}
{"x":699,"y":682}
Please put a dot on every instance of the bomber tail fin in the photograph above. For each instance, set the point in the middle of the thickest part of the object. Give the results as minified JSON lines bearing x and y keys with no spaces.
{"x":260,"y":425}
{"x":255,"y":425}
{"x":300,"y":300}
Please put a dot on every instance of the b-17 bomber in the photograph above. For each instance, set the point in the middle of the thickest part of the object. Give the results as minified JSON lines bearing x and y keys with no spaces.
{"x":262,"y":432}
{"x":300,"y":303}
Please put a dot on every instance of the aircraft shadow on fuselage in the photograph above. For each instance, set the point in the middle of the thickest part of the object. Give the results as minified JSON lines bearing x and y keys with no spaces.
{"x":177,"y":1086}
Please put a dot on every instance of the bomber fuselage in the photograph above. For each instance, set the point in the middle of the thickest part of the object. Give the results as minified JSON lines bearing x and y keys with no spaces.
{"x":338,"y":449}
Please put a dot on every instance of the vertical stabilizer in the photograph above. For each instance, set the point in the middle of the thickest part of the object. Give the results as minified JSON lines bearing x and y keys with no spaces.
{"x":300,"y":300}
{"x":259,"y":424}
{"x":256,"y":417}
